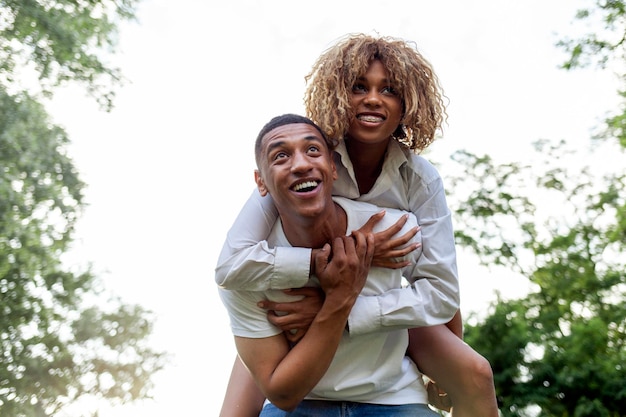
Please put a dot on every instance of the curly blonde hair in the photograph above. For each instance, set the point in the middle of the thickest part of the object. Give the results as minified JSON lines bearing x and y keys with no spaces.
{"x":330,"y":82}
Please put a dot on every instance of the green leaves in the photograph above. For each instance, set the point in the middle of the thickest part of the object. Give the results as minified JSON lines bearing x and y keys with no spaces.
{"x":56,"y":348}
{"x":606,"y":43}
{"x":58,"y":342}
{"x":63,"y":41}
{"x":561,"y":347}
{"x":560,"y":350}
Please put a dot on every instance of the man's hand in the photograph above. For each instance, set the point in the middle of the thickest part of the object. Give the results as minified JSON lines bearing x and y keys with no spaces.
{"x":388,"y":250}
{"x":343,"y":267}
{"x":296,"y":316}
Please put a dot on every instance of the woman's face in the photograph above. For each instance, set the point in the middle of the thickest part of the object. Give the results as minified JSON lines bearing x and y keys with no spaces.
{"x":377,"y":106}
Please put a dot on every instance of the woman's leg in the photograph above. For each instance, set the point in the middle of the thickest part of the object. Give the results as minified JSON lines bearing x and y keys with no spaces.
{"x":242,"y":398}
{"x":459,"y":370}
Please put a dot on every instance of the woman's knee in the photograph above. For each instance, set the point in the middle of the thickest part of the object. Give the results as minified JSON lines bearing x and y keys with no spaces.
{"x":482,"y":373}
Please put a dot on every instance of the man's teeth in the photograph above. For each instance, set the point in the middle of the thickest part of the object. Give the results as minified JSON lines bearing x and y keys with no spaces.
{"x":305,"y":185}
{"x":368,"y":118}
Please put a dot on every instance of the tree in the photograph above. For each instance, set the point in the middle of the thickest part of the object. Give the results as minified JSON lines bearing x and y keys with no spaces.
{"x":562,"y":347}
{"x":61,"y":340}
{"x":61,"y":41}
{"x":561,"y":350}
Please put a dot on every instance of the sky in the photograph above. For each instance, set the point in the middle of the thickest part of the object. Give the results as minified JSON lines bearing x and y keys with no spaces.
{"x":169,"y":167}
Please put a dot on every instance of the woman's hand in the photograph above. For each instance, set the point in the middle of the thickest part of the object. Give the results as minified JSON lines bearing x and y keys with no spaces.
{"x":437,"y":397}
{"x":299,"y":314}
{"x":387,"y":250}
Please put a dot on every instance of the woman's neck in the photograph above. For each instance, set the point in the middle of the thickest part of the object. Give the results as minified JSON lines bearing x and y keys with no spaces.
{"x":367,"y":160}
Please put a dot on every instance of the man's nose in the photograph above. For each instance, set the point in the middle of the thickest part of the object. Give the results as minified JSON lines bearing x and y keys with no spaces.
{"x":300,"y":162}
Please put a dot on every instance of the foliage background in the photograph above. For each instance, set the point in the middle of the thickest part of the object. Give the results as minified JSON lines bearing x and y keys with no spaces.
{"x":63,"y":345}
{"x":161,"y":197}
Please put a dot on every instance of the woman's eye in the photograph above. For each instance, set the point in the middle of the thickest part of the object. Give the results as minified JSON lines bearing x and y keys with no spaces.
{"x":358,"y":88}
{"x":390,"y":90}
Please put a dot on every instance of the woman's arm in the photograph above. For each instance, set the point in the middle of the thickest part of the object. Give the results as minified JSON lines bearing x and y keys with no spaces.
{"x":433,"y":296}
{"x":246,"y":256}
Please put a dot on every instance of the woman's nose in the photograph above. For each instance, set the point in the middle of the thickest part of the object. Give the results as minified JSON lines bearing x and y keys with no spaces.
{"x":372,"y":98}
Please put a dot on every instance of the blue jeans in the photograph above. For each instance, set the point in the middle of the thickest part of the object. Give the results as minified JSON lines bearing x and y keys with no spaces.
{"x":312,"y":408}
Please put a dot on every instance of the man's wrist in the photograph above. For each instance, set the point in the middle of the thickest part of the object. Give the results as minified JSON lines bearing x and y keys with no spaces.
{"x":312,"y":263}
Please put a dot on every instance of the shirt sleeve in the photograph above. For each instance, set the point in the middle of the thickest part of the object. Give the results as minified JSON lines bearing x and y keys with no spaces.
{"x":247,"y":262}
{"x":432,"y":297}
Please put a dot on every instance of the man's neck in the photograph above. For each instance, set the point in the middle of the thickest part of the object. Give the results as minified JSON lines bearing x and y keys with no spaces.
{"x":317,"y":231}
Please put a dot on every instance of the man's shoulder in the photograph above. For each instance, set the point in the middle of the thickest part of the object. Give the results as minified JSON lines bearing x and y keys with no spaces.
{"x":359,"y":212}
{"x":365,"y":208}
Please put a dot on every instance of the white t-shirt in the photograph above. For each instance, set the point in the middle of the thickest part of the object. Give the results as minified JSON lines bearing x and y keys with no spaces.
{"x":370,"y":368}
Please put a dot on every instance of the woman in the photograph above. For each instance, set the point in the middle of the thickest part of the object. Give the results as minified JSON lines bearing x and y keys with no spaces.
{"x":382,"y":101}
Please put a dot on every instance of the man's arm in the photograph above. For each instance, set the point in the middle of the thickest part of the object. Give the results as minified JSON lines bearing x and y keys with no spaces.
{"x":286,"y":375}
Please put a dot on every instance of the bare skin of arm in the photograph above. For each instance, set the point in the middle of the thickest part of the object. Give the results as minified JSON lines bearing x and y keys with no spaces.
{"x":287,"y":374}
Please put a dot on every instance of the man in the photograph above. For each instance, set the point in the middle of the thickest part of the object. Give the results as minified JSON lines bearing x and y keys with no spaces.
{"x":327,"y":370}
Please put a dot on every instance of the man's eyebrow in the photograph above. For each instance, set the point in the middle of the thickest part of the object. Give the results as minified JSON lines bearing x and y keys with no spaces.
{"x":274,"y":145}
{"x":280,"y":143}
{"x":314,"y":138}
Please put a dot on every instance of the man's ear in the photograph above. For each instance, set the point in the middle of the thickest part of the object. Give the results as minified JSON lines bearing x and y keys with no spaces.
{"x":260,"y":185}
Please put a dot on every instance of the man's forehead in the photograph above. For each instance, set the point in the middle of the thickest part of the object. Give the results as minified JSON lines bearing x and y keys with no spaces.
{"x":293,"y":131}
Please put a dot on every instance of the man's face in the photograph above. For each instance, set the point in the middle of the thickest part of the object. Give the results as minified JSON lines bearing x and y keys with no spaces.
{"x":296,"y":169}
